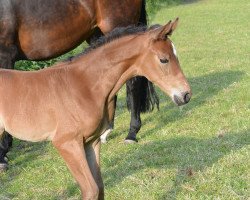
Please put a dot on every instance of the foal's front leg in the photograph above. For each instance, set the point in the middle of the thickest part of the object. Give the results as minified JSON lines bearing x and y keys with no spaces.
{"x":93,"y":157}
{"x":74,"y":155}
{"x":111,"y":118}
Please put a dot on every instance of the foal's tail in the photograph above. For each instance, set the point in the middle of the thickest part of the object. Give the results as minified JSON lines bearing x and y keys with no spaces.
{"x":147,"y":94}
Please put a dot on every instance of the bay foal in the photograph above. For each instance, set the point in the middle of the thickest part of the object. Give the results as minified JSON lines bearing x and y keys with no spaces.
{"x":43,"y":29}
{"x":72,"y":104}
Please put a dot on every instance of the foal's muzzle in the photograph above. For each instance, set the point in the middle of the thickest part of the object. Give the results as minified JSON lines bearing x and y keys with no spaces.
{"x":183,"y":99}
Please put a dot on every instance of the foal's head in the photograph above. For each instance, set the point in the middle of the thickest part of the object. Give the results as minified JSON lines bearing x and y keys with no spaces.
{"x":159,"y":63}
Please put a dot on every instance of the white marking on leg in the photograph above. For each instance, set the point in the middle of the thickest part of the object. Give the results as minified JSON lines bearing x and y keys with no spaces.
{"x":103,"y":137}
{"x":3,"y":167}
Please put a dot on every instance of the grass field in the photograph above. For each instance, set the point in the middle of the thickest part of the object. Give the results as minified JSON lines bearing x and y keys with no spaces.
{"x":200,"y":151}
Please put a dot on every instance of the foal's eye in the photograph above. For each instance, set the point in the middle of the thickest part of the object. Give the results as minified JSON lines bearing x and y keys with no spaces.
{"x":164,"y":61}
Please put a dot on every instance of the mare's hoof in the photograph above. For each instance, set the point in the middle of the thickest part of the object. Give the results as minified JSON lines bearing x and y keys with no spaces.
{"x":3,"y":167}
{"x":130,"y":141}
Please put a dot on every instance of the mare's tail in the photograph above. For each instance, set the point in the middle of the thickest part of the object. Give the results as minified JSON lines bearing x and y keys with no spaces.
{"x":147,"y":94}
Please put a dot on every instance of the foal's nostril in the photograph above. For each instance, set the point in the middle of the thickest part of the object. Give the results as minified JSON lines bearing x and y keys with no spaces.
{"x":182,"y":99}
{"x":187,"y":97}
{"x":177,"y":100}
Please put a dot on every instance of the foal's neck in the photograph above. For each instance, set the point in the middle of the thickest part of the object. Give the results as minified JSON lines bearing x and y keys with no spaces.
{"x":122,"y":58}
{"x":113,"y":64}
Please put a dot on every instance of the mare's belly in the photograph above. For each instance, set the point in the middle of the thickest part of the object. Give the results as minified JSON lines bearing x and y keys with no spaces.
{"x":42,"y":44}
{"x":58,"y":29}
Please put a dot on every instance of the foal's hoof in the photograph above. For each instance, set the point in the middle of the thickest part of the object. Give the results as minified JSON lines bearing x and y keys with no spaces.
{"x":3,"y":167}
{"x":103,"y":140}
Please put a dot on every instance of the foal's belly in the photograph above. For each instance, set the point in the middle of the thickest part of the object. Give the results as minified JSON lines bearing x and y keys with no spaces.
{"x":32,"y":136}
{"x":29,"y":129}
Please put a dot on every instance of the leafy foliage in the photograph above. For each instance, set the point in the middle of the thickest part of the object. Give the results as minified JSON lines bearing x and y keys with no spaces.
{"x":36,"y":65}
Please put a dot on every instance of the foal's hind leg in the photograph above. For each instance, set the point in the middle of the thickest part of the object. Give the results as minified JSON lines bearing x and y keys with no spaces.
{"x":74,"y":155}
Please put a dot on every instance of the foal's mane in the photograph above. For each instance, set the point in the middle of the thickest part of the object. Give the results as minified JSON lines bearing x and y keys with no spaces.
{"x":113,"y":35}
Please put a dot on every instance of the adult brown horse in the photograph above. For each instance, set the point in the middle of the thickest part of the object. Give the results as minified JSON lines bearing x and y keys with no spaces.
{"x":43,"y":29}
{"x":73,"y":102}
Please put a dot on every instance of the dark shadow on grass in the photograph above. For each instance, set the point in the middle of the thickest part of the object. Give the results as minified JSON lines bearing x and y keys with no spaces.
{"x":183,"y":153}
{"x":187,"y":154}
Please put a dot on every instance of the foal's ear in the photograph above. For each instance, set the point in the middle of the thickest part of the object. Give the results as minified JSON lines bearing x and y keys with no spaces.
{"x":164,"y":31}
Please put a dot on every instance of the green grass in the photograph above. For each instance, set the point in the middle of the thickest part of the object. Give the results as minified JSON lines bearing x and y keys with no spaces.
{"x":201,"y":151}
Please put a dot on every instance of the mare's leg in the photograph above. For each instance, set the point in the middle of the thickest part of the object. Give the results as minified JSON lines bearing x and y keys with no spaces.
{"x":3,"y":149}
{"x":8,"y":48}
{"x":93,"y":157}
{"x":5,"y":144}
{"x":141,"y":97}
{"x":8,"y":55}
{"x":74,"y":155}
{"x":134,"y":87}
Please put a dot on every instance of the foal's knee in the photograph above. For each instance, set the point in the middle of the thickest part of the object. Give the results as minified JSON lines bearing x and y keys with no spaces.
{"x":96,"y":194}
{"x":91,"y":194}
